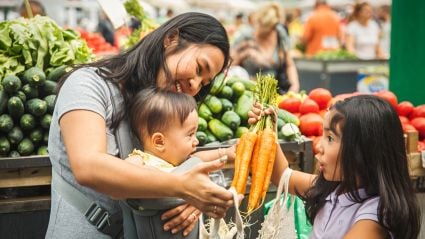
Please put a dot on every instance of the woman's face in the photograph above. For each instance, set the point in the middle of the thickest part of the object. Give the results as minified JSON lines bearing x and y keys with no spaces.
{"x":192,"y":68}
{"x":328,"y":151}
{"x":365,"y":12}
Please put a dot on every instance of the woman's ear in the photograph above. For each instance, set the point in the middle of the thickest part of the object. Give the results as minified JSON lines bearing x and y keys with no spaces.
{"x":171,"y":38}
{"x":158,"y":141}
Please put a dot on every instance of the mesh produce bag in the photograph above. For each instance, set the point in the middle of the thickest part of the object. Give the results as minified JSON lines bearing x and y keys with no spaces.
{"x":279,"y":222}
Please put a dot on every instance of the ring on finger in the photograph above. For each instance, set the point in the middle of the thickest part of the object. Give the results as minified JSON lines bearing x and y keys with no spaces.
{"x":215,"y":210}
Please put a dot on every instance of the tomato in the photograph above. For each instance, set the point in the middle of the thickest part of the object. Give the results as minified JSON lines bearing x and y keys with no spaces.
{"x":404,"y":108}
{"x":418,"y":111}
{"x":291,"y":104}
{"x":421,"y":146}
{"x":311,"y":124}
{"x":309,"y":106}
{"x":408,"y":127}
{"x":388,"y":96}
{"x":404,"y":120}
{"x":419,"y":124}
{"x":321,"y":96}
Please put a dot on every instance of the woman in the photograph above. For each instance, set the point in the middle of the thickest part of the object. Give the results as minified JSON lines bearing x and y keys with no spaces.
{"x":89,"y":132}
{"x":266,"y":49}
{"x":362,"y":34}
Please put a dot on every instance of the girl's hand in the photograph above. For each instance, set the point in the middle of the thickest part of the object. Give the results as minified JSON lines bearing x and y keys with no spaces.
{"x":257,"y":112}
{"x":199,"y":191}
{"x":183,"y":217}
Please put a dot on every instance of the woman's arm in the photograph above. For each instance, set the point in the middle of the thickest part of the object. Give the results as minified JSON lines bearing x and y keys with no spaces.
{"x":291,"y":71}
{"x":84,"y":134}
{"x":366,"y":229}
{"x":349,"y":43}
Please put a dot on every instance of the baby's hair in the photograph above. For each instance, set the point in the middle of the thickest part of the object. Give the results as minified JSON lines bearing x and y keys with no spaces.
{"x":154,"y":110}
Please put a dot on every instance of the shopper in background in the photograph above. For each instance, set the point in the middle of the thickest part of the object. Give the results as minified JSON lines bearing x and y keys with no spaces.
{"x":36,"y":9}
{"x":266,"y":49}
{"x":362,"y":34}
{"x":322,"y":30}
{"x":363,"y":189}
{"x":106,"y":29}
{"x":165,"y":123}
{"x":89,"y":133}
{"x":384,"y":20}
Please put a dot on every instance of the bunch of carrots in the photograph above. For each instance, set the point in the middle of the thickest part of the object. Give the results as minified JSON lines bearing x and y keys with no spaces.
{"x":256,"y":150}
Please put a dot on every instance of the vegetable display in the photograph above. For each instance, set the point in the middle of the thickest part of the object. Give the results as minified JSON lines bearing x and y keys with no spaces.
{"x":34,"y":54}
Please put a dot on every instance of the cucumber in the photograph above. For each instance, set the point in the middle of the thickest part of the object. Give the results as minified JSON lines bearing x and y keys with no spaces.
{"x":238,"y":88}
{"x":15,"y":107}
{"x":27,"y":122}
{"x":15,"y":135}
{"x":288,"y":117}
{"x":50,"y":100}
{"x":49,"y":88}
{"x":34,"y":76}
{"x":3,"y":101}
{"x":231,"y":119}
{"x":220,"y":130}
{"x":42,"y":150}
{"x":214,"y":104}
{"x":45,"y":121}
{"x":58,"y":72}
{"x":25,"y":147}
{"x":30,"y":91}
{"x":202,"y":137}
{"x":204,"y":112}
{"x":227,"y":104}
{"x":241,"y":130}
{"x":36,"y":107}
{"x":6,"y":123}
{"x":280,"y":123}
{"x":290,"y":131}
{"x":202,"y":124}
{"x":11,"y":84}
{"x":211,"y":137}
{"x":218,"y":84}
{"x":244,"y":105}
{"x":226,"y":92}
{"x":4,"y":146}
{"x":249,"y":84}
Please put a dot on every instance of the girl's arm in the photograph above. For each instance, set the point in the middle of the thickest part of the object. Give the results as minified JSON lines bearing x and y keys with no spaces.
{"x":210,"y":155}
{"x":291,"y":71}
{"x":366,"y":229}
{"x":84,"y":134}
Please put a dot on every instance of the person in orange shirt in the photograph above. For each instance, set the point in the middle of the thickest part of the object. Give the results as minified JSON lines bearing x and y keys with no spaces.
{"x":322,"y":30}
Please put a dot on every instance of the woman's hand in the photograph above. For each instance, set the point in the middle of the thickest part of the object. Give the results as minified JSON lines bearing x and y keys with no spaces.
{"x":183,"y":217}
{"x":202,"y":193}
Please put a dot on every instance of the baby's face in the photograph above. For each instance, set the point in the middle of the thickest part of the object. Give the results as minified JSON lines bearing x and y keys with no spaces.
{"x":180,"y":139}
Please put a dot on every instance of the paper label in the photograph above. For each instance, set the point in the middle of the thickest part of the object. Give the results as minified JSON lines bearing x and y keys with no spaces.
{"x":115,"y":11}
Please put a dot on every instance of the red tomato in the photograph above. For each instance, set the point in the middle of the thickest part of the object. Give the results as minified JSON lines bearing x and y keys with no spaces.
{"x":408,"y":127}
{"x":421,"y":146}
{"x":404,"y":108}
{"x":388,"y":96}
{"x":291,"y":104}
{"x":309,"y":106}
{"x":311,"y":124}
{"x":404,"y":120}
{"x":419,"y":124}
{"x":418,"y":111}
{"x":321,"y":96}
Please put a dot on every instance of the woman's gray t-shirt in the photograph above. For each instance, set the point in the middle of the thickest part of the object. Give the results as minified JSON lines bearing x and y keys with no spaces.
{"x":83,"y":90}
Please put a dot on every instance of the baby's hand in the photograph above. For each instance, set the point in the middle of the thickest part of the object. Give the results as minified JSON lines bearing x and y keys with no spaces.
{"x":136,"y":160}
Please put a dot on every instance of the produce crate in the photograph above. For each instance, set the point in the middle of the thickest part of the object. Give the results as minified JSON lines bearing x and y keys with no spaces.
{"x":416,"y":161}
{"x":338,"y":76}
{"x":24,"y":196}
{"x":300,"y":157}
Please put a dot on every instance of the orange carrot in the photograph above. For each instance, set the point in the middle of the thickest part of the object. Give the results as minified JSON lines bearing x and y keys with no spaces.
{"x":268,"y":176}
{"x":239,"y":149}
{"x":268,"y":143}
{"x":245,"y":160}
{"x":254,"y":158}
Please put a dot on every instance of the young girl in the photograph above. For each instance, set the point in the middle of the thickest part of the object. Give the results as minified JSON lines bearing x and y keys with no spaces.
{"x":363,"y":189}
{"x":166,"y":124}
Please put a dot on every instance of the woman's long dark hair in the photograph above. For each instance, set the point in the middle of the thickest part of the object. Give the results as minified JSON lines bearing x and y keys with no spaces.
{"x":372,"y":152}
{"x":138,"y":67}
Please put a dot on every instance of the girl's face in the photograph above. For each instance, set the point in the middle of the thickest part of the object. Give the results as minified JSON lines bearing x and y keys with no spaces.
{"x":192,"y":68}
{"x":328,"y":151}
{"x":180,"y":139}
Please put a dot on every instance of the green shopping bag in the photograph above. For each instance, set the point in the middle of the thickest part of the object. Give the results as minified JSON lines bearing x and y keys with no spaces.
{"x":302,"y":225}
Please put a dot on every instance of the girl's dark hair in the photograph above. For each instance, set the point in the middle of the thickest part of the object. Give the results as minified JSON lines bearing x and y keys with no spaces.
{"x":373,"y":152}
{"x":154,"y":110}
{"x":137,"y":68}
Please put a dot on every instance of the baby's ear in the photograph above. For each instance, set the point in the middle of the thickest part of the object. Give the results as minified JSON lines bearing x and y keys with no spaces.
{"x":158,"y":141}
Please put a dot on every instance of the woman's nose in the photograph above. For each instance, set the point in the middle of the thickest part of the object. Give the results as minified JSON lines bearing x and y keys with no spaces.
{"x":195,"y":83}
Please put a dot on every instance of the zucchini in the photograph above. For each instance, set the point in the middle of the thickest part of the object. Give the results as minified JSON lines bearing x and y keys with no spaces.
{"x":49,"y":88}
{"x":34,"y":76}
{"x":45,"y":121}
{"x":30,"y":91}
{"x":15,"y":135}
{"x":21,"y":96}
{"x":50,"y":100}
{"x":220,"y":130}
{"x":42,"y":150}
{"x":27,"y":122}
{"x":3,"y":101}
{"x":36,"y":135}
{"x":11,"y":84}
{"x":231,"y":119}
{"x":4,"y":146}
{"x":15,"y":107}
{"x":288,"y":117}
{"x":14,"y":154}
{"x":6,"y":123}
{"x":58,"y":72}
{"x":25,"y":147}
{"x":36,"y":107}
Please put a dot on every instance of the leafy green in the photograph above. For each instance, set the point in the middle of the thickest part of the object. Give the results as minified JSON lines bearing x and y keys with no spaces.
{"x":40,"y":42}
